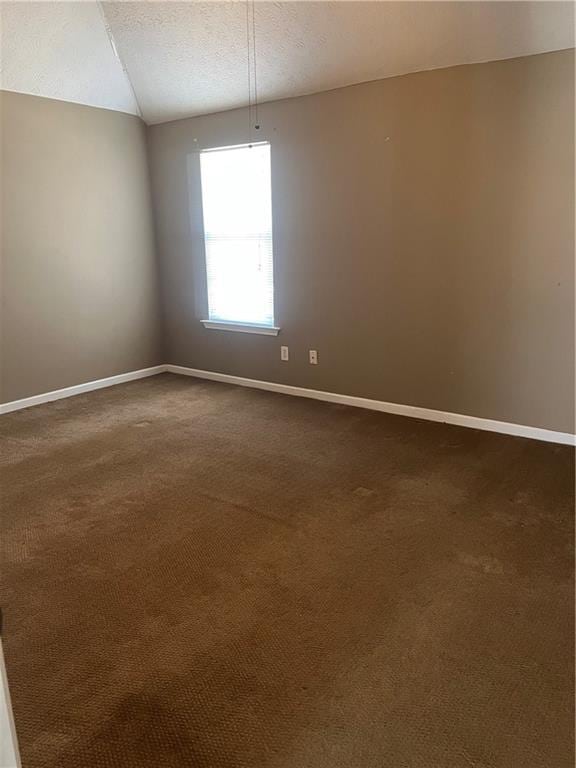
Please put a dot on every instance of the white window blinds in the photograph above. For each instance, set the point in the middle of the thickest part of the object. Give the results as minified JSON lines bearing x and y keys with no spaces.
{"x":237,"y":209}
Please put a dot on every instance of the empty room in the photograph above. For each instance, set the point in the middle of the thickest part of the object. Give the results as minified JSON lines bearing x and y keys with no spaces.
{"x":287,"y":400}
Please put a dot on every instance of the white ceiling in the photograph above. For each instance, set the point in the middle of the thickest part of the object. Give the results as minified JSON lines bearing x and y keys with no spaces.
{"x":61,"y":50}
{"x":190,"y":58}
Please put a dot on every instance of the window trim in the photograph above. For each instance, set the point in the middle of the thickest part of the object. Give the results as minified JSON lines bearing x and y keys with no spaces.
{"x":228,"y":325}
{"x":231,"y":325}
{"x":246,"y":144}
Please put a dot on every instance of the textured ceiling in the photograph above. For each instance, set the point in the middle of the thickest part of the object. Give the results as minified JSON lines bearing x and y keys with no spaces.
{"x":190,"y":58}
{"x":61,"y":50}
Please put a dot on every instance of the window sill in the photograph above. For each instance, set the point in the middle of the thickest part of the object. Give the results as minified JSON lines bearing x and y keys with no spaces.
{"x":263,"y":330}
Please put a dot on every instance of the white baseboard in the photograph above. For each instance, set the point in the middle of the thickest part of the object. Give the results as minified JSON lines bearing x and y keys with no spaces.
{"x":78,"y":389}
{"x":413,"y":411}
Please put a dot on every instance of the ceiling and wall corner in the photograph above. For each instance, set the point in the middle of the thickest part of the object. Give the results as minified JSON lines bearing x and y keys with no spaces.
{"x":189,"y":58}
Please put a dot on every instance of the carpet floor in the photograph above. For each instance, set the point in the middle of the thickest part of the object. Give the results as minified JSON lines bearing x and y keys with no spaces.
{"x":209,"y":576}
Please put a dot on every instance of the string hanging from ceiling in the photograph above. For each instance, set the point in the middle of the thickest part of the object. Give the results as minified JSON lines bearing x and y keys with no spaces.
{"x":253,"y":119}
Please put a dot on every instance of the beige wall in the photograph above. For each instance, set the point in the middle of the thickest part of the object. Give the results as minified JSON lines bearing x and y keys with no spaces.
{"x":79,"y":287}
{"x":423,"y":236}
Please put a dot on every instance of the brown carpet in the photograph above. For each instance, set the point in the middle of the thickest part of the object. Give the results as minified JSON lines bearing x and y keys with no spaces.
{"x":208,"y":576}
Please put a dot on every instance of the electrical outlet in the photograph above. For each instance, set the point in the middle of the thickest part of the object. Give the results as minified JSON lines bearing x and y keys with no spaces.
{"x":313,"y":356}
{"x":284,"y":355}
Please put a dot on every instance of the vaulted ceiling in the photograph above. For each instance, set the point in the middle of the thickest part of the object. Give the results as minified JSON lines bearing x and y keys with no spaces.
{"x":184,"y":59}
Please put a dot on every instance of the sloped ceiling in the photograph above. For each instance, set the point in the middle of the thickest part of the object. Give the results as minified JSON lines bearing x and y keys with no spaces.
{"x":62,"y":51}
{"x":189,"y":58}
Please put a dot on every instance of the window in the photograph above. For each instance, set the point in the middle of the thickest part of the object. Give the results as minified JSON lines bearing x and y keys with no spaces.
{"x":237,"y":210}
